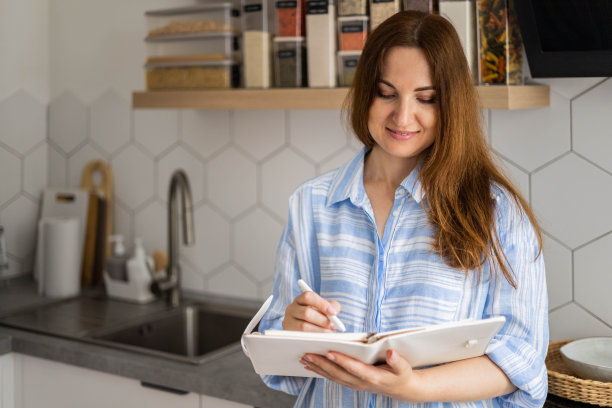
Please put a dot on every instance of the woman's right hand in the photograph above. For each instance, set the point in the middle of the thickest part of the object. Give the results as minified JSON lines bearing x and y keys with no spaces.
{"x":309,"y":312}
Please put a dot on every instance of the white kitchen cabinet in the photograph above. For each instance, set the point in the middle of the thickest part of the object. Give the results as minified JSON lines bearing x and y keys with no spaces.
{"x":51,"y":384}
{"x":7,"y":381}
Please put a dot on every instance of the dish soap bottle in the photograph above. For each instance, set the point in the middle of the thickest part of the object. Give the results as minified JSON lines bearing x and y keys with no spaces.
{"x":116,"y":263}
{"x":139,"y":268}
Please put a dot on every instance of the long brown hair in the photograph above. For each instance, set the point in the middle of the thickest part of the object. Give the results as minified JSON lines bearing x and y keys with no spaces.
{"x":458,"y":170}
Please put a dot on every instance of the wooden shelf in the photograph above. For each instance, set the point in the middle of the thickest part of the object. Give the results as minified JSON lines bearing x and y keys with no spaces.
{"x":492,"y":97}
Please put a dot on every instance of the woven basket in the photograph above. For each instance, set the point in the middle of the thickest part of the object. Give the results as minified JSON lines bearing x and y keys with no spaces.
{"x":562,"y":383}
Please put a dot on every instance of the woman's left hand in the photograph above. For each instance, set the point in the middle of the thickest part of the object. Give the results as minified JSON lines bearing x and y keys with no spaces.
{"x":396,"y":378}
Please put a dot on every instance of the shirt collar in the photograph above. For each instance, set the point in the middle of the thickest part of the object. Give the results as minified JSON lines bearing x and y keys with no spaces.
{"x":348,"y":182}
{"x":412,"y":183}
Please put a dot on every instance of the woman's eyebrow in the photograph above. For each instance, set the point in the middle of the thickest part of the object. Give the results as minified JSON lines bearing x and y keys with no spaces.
{"x":389,"y":84}
{"x":423,"y":88}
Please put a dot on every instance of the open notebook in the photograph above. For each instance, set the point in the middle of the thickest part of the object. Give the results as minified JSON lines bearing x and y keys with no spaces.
{"x":277,"y":352}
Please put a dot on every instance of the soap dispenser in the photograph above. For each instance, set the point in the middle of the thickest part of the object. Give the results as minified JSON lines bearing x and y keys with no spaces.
{"x":139,"y":267}
{"x":116,"y":264}
{"x":136,"y":285}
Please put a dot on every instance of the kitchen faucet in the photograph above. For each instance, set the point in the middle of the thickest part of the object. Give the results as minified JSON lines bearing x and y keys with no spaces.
{"x":171,"y":285}
{"x":3,"y":256}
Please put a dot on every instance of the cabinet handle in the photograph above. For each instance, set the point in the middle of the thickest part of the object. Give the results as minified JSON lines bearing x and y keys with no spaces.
{"x":163,"y":388}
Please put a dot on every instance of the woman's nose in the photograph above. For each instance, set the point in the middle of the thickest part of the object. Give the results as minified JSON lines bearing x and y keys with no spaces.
{"x":404,"y":112}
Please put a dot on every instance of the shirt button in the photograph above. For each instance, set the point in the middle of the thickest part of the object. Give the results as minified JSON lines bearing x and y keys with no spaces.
{"x":395,"y":213}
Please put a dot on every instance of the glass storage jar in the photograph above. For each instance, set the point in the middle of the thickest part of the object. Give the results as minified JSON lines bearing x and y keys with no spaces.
{"x":258,"y":15}
{"x":426,"y":6}
{"x":347,"y":64}
{"x":352,"y":32}
{"x":200,"y":18}
{"x":257,"y":20}
{"x":193,"y":47}
{"x":289,"y":62}
{"x":380,"y":10}
{"x":352,"y":7}
{"x":290,"y":18}
{"x":321,"y":40}
{"x":500,"y":44}
{"x":193,"y":75}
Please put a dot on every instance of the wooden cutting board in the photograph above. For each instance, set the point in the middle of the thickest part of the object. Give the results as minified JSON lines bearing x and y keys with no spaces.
{"x":97,"y":180}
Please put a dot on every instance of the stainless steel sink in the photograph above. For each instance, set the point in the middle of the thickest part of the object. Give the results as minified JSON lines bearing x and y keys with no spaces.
{"x":190,"y":333}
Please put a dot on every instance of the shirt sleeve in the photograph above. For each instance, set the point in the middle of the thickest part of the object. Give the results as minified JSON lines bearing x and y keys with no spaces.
{"x":520,"y":347}
{"x":286,"y":274}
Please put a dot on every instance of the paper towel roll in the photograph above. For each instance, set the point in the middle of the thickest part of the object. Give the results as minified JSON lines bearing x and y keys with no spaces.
{"x":60,"y":257}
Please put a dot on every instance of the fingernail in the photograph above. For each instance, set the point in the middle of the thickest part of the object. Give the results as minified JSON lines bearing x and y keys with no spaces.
{"x":332,"y":309}
{"x":308,"y":358}
{"x":330,"y":356}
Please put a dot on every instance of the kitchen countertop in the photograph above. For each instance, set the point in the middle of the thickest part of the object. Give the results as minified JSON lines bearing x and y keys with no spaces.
{"x":229,"y":377}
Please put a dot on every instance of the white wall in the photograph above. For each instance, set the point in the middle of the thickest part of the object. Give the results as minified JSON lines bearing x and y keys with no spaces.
{"x":244,"y":164}
{"x":24,"y":97}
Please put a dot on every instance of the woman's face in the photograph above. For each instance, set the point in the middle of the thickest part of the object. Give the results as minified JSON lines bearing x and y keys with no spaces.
{"x":403,"y":117}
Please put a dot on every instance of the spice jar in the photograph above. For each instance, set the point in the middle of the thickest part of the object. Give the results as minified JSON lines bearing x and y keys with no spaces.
{"x":462,"y":14}
{"x":426,"y":6}
{"x":380,"y":10}
{"x":347,"y":64}
{"x":499,"y":43}
{"x":352,"y":7}
{"x":290,"y":17}
{"x":289,"y":62}
{"x":352,"y":33}
{"x":321,"y":37}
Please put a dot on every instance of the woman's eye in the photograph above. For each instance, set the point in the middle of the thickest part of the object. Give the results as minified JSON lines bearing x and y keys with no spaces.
{"x":385,"y":95}
{"x":430,"y":100}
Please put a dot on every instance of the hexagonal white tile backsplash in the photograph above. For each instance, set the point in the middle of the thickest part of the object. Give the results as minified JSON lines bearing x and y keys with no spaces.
{"x":243,"y":165}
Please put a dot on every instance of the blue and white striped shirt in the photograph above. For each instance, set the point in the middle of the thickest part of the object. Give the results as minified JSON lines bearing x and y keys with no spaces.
{"x":397,"y":281}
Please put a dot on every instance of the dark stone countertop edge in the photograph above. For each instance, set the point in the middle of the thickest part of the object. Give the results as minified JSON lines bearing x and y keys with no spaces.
{"x":5,"y":344}
{"x":230,"y":377}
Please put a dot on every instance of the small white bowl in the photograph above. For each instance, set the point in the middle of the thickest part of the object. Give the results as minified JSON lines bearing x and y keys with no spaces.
{"x":590,"y":358}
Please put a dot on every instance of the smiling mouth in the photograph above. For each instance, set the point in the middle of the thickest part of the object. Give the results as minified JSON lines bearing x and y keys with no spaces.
{"x":402,"y":133}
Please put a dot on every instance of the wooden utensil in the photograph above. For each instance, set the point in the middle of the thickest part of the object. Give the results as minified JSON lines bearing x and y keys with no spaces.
{"x":99,"y":222}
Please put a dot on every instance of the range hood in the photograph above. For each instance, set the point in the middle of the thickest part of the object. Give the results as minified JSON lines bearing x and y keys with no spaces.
{"x":567,"y":38}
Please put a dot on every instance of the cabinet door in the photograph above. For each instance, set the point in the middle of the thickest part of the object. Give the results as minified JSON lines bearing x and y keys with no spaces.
{"x":56,"y":385}
{"x":7,"y":381}
{"x":211,"y":402}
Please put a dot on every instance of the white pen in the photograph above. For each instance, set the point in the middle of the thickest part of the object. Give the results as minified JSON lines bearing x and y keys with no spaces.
{"x":334,"y":319}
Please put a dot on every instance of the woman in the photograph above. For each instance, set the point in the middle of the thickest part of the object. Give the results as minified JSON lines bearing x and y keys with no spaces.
{"x":420,"y":228}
